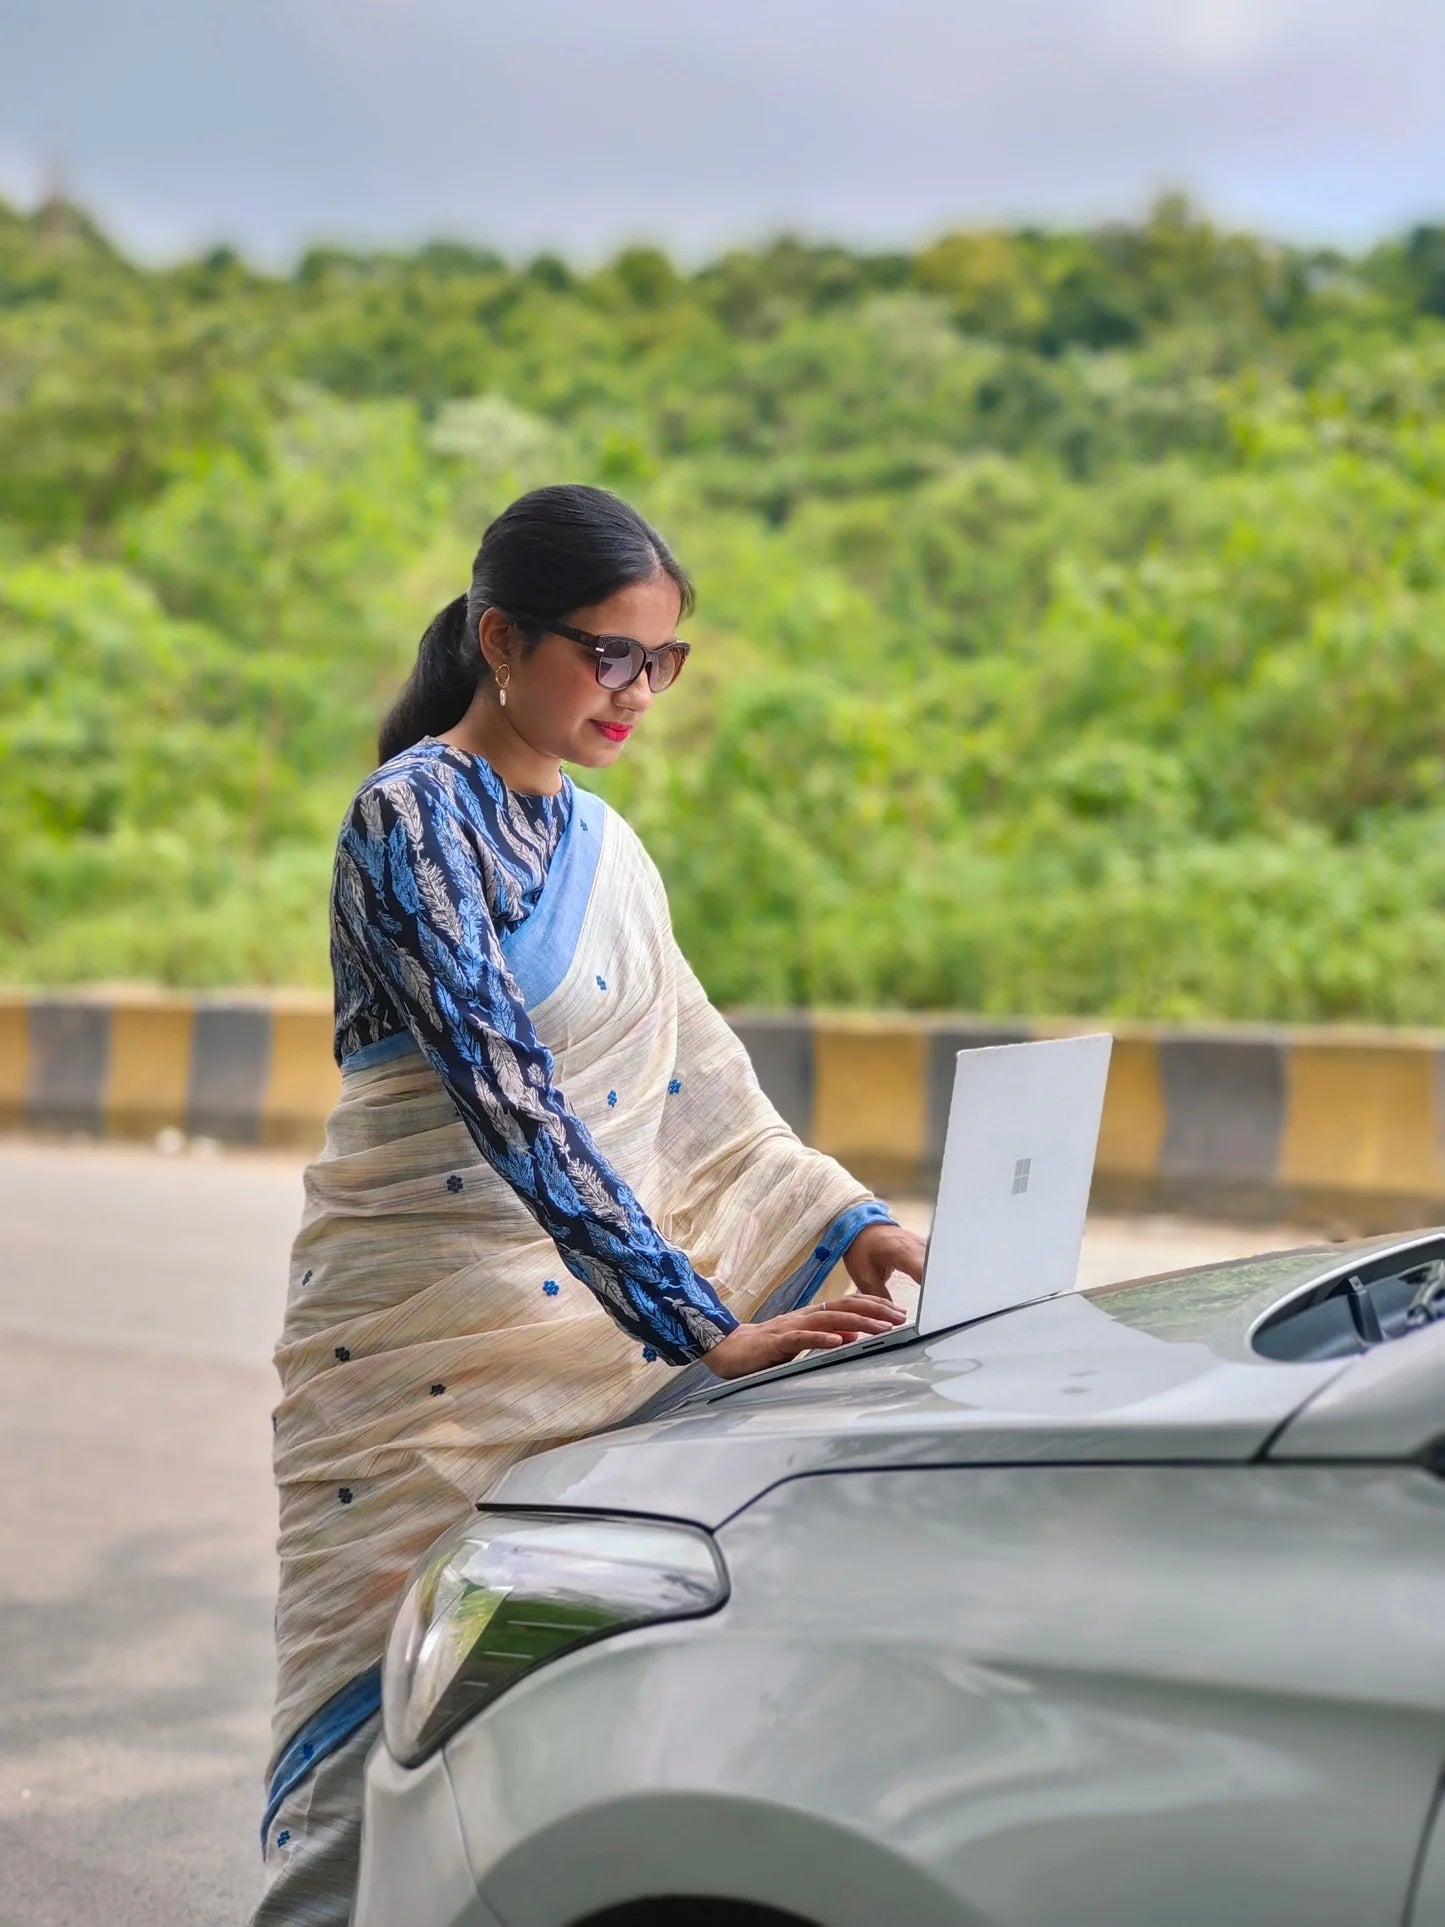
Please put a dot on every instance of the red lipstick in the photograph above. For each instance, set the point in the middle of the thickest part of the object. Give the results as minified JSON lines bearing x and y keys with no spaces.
{"x":614,"y":732}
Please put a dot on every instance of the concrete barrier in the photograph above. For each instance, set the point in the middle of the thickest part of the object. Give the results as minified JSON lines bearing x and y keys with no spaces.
{"x":243,"y":1070}
{"x":1344,"y":1127}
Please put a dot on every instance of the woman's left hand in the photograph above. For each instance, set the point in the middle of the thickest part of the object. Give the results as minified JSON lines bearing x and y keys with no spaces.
{"x":877,"y":1252}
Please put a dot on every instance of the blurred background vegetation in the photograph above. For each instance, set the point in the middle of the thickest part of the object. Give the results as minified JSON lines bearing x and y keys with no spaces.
{"x":1072,"y":605}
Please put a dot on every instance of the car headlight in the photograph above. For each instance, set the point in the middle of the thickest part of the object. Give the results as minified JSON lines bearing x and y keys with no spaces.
{"x":507,"y":1591}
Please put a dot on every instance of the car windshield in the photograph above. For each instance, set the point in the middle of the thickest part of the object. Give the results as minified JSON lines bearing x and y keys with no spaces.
{"x":1193,"y":1305}
{"x":1264,"y":1307}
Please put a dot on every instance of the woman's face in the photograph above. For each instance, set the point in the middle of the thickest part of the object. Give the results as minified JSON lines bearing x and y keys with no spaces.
{"x":554,"y":700}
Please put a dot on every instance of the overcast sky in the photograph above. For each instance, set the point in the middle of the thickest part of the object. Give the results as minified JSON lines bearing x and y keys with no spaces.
{"x":553,"y":123}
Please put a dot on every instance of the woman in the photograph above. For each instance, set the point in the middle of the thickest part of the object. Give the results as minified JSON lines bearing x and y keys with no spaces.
{"x":551,"y":1171}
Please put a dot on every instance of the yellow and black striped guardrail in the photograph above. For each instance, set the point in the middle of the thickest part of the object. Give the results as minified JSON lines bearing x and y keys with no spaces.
{"x":243,"y":1070}
{"x":1343,"y":1125}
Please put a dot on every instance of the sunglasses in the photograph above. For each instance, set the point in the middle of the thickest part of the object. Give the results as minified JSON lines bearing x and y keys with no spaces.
{"x":620,"y":660}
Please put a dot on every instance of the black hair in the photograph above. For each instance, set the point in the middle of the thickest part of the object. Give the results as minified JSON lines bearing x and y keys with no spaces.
{"x":554,"y":550}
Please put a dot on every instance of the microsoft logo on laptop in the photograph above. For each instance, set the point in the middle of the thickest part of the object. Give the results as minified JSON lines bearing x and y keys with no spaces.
{"x":1021,"y":1175}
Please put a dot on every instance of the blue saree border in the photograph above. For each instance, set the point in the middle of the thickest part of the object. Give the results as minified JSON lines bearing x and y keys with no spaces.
{"x":397,"y":1045}
{"x":540,"y":950}
{"x":329,"y":1727}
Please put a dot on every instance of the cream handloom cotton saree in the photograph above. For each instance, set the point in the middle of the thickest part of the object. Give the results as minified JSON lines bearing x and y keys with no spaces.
{"x":433,"y":1337}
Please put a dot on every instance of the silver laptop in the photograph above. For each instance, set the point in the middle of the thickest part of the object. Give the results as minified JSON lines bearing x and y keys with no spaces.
{"x":1018,"y":1161}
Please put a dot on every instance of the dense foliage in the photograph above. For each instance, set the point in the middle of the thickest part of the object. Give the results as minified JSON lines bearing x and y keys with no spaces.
{"x":1072,"y":611}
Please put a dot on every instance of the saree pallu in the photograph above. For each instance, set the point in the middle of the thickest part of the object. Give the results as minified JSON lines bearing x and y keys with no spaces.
{"x":433,"y":1336}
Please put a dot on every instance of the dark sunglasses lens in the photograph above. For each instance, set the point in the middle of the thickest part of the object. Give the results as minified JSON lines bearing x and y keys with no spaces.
{"x":618,"y":665}
{"x":665,"y":669}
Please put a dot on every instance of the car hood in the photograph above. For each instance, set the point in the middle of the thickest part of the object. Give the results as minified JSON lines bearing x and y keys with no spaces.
{"x":1159,"y":1371}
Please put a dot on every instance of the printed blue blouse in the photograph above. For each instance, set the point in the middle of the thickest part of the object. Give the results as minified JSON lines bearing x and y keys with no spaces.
{"x":437,"y":860}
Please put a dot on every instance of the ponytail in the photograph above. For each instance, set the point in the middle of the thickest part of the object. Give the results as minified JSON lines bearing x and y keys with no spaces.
{"x":553,"y":551}
{"x":438,"y":693}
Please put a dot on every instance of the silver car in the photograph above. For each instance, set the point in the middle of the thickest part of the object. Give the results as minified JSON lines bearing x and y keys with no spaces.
{"x":1117,"y":1609}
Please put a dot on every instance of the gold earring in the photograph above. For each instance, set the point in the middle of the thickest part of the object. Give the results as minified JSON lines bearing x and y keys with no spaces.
{"x":502,"y":681}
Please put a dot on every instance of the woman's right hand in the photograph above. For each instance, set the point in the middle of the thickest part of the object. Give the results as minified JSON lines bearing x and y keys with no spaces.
{"x":752,"y":1348}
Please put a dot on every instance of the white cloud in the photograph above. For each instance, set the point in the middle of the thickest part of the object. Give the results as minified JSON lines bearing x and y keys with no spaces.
{"x":1201,"y":35}
{"x":1226,"y":33}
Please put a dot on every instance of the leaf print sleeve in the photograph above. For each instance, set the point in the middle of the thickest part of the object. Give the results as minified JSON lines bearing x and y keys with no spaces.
{"x":409,"y":898}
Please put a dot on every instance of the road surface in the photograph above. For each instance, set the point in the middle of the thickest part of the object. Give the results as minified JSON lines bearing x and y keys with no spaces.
{"x":139,"y":1298}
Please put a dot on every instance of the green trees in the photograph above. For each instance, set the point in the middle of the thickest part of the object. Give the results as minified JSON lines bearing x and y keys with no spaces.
{"x":1070,"y":604}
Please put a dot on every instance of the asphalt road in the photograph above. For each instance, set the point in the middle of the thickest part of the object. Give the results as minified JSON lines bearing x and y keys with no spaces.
{"x":139,"y":1299}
